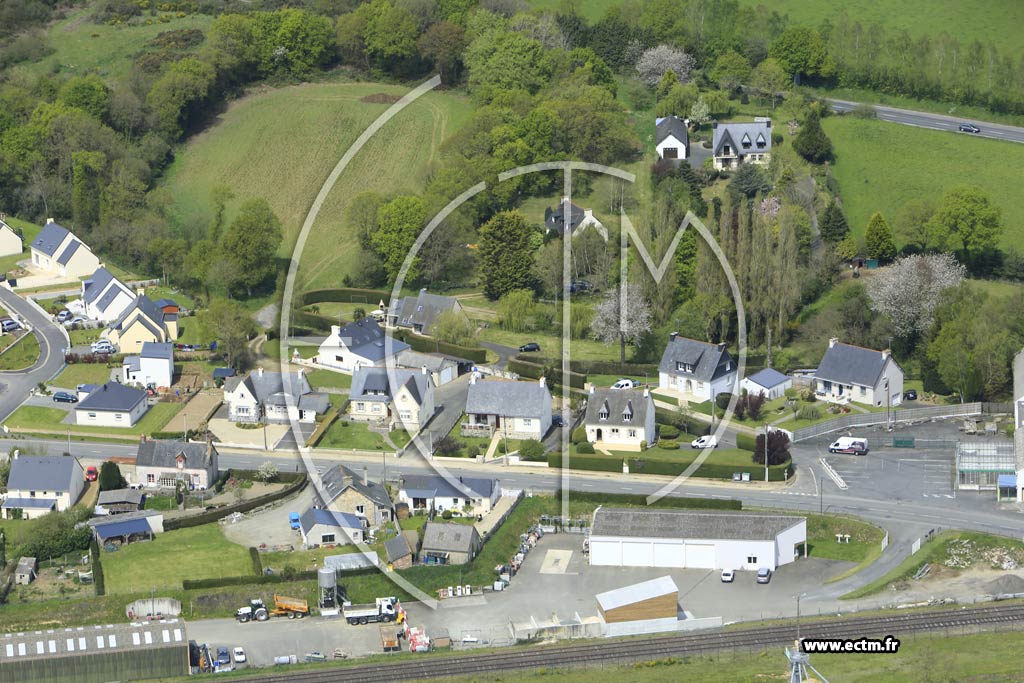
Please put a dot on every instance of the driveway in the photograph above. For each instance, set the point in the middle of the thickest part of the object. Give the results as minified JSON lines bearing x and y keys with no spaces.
{"x":15,"y":386}
{"x":450,"y":400}
{"x":504,"y":353}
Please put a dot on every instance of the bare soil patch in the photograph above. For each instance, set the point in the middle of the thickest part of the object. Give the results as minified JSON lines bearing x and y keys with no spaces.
{"x":380,"y":98}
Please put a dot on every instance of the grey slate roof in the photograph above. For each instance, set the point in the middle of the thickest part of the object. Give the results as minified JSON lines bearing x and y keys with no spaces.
{"x":848,"y":364}
{"x":640,"y":523}
{"x":95,"y":284}
{"x":49,"y":238}
{"x":433,"y":486}
{"x":115,"y":496}
{"x":145,"y":305}
{"x":618,"y":402}
{"x":371,"y":384}
{"x":396,"y":548}
{"x":670,"y":126}
{"x":269,"y":387}
{"x":161,"y":350}
{"x":768,"y":378}
{"x":421,"y":310}
{"x":554,"y":219}
{"x":339,"y":478}
{"x":43,"y":473}
{"x":341,"y":520}
{"x":317,"y":402}
{"x":164,"y":453}
{"x":709,"y":361}
{"x":134,"y":363}
{"x":450,"y":537}
{"x":508,"y":399}
{"x":744,"y":138}
{"x":366,"y":338}
{"x":112,"y":396}
{"x":416,"y":360}
{"x":68,"y":252}
{"x":109,"y":297}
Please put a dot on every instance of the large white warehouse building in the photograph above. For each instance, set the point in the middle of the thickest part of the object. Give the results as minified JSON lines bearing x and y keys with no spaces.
{"x":687,"y":539}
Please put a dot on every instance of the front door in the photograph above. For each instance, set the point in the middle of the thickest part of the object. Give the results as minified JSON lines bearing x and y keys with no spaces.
{"x":599,"y":436}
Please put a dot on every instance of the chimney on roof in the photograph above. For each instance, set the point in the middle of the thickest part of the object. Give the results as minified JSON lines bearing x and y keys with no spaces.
{"x":259,"y":372}
{"x":472,"y":378}
{"x":672,"y":336}
{"x":335,"y":330}
{"x":543,"y":382}
{"x":591,"y":388}
{"x":366,"y":476}
{"x":768,"y":123}
{"x":423,"y":369}
{"x":714,"y":125}
{"x":298,"y":375}
{"x":346,"y":481}
{"x":49,"y":220}
{"x":647,"y":391}
{"x":3,"y":217}
{"x":721,"y":346}
{"x":886,"y":353}
{"x":833,"y":341}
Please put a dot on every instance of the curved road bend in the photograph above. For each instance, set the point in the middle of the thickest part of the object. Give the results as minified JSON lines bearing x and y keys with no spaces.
{"x":920,"y":119}
{"x":16,"y":385}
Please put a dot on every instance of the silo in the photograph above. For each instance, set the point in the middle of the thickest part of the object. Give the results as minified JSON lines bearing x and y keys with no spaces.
{"x":327,"y":581}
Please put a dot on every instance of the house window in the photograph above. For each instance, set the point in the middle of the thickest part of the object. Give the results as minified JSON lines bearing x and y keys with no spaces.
{"x":92,"y":416}
{"x":615,"y":431}
{"x":626,"y":417}
{"x":527,"y":422}
{"x":339,"y":358}
{"x":404,"y":414}
{"x":360,"y":509}
{"x":118,"y":416}
{"x":242,"y":410}
{"x":700,"y":385}
{"x":376,"y":407}
{"x":632,"y":433}
{"x":603,"y":415}
{"x":327,"y":538}
{"x":863,"y":391}
{"x":360,"y":406}
{"x":751,"y":559}
{"x":150,"y":478}
{"x":727,"y":151}
{"x":684,"y":367}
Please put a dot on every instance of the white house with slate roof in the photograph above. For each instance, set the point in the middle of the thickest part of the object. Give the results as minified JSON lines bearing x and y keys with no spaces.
{"x":435,"y":494}
{"x":321,"y":527}
{"x":688,"y":539}
{"x":105,"y":298}
{"x":359,"y":344}
{"x":441,"y":368}
{"x":852,"y":373}
{"x":57,"y":252}
{"x":264,"y":397}
{"x":671,"y":138}
{"x":620,"y":419}
{"x":160,"y":463}
{"x":579,"y":219}
{"x":374,"y":398}
{"x":154,"y":365}
{"x":420,"y":312}
{"x":696,"y":371}
{"x":112,"y":405}
{"x":10,"y":240}
{"x":449,"y":543}
{"x":741,"y":143}
{"x":769,"y":382}
{"x":38,"y":485}
{"x":516,"y":410}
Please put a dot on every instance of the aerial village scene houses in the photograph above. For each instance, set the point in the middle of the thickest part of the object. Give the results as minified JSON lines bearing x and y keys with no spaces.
{"x":537,"y":336}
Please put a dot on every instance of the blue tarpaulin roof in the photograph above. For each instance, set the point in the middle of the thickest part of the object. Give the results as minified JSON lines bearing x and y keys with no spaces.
{"x":131,"y":526}
{"x":30,"y":503}
{"x":1007,"y":481}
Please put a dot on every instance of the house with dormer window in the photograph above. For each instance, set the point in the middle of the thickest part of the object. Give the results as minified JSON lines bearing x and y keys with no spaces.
{"x":741,"y":143}
{"x":620,"y":419}
{"x":419,"y":313}
{"x":359,"y":344}
{"x":696,"y":371}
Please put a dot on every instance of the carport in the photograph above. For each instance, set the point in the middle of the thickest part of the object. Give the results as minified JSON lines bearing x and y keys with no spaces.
{"x":124,"y":531}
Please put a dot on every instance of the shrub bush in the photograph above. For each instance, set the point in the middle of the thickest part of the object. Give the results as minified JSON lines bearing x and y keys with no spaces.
{"x":447,"y":514}
{"x":809,"y":413}
{"x":257,"y":563}
{"x":668,"y":432}
{"x":223,"y":581}
{"x":531,"y":449}
{"x":585,"y":447}
{"x":448,"y":446}
{"x":745,"y":441}
{"x":579,"y":435}
{"x":584,"y":462}
{"x":668,"y":444}
{"x":777,"y":139}
{"x":472,"y":450}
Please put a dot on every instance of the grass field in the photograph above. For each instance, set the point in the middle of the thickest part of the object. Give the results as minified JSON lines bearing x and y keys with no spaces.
{"x":986,"y":20}
{"x":328,"y":378}
{"x":81,"y":373}
{"x":81,"y":46}
{"x":198,"y":553}
{"x":881,"y":166}
{"x":35,"y":418}
{"x":344,"y":434}
{"x":21,"y":354}
{"x":29,"y":231}
{"x":282,"y":144}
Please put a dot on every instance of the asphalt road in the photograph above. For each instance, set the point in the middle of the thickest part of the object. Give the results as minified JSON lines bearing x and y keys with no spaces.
{"x":907,"y":117}
{"x":15,"y":386}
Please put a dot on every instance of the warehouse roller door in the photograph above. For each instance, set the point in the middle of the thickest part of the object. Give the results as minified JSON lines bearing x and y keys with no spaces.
{"x":700,"y":556}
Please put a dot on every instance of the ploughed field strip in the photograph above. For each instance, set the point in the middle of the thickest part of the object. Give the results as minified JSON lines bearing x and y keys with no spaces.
{"x":656,"y":648}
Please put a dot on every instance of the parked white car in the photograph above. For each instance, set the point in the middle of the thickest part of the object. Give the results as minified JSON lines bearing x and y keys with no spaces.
{"x":624,"y":384}
{"x":728,"y":576}
{"x":708,"y":441}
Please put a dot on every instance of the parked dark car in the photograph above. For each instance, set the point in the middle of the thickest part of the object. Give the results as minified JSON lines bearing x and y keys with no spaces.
{"x":969,"y":128}
{"x":557,"y":421}
{"x":910,"y":395}
{"x":580,"y":286}
{"x":532,"y":346}
{"x":64,"y":315}
{"x":223,"y":656}
{"x":64,"y":397}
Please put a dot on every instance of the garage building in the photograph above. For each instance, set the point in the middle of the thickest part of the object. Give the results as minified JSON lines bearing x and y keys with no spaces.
{"x":654,"y":599}
{"x":95,"y":654}
{"x":687,"y":539}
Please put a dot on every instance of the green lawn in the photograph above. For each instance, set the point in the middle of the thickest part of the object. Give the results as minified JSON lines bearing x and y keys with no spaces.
{"x":32,"y":418}
{"x":865,"y":539}
{"x":82,"y":47}
{"x":591,"y":10}
{"x":345,"y":434}
{"x":195,"y":553}
{"x":328,"y":378}
{"x":82,"y":373}
{"x":83,"y":337}
{"x":21,"y":354}
{"x":302,"y":560}
{"x":158,"y":502}
{"x":551,"y":345}
{"x":29,"y":231}
{"x":881,"y":166}
{"x":304,"y":130}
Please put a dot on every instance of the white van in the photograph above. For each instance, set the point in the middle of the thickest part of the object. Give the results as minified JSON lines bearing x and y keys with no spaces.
{"x":849,"y":444}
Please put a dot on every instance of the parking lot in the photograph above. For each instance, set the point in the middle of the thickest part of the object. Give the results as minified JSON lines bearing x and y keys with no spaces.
{"x":901,"y":473}
{"x":270,"y":527}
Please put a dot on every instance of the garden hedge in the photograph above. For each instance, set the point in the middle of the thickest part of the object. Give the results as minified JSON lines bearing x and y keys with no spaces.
{"x":746,"y":441}
{"x":244,"y":506}
{"x":222,"y":581}
{"x":604,"y":367}
{"x":672,"y":468}
{"x":430,"y":345}
{"x":369,"y":297}
{"x":313,"y":321}
{"x":257,"y":563}
{"x":552,"y":372}
{"x":640,"y":499}
{"x":585,"y":462}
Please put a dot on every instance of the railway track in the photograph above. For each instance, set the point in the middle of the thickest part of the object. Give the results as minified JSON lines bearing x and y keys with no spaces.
{"x":657,"y":647}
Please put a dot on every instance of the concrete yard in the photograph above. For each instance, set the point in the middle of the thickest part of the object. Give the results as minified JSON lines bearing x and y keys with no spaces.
{"x":270,"y":527}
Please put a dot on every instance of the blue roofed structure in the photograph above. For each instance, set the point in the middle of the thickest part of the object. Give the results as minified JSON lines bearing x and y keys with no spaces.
{"x":123,"y":529}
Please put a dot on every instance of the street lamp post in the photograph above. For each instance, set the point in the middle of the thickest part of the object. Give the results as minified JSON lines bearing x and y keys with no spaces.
{"x":766,"y":452}
{"x":798,"y":618}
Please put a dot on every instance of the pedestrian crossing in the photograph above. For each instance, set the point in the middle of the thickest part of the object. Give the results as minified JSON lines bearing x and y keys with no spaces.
{"x":795,"y":493}
{"x":937,"y":495}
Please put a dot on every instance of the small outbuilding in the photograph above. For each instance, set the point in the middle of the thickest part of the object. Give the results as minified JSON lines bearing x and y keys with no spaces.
{"x":654,"y":599}
{"x":327,"y":528}
{"x":118,"y":501}
{"x":689,"y":539}
{"x":398,"y":552}
{"x":769,"y":382}
{"x":449,"y":543}
{"x":127,"y":528}
{"x":25,"y":573}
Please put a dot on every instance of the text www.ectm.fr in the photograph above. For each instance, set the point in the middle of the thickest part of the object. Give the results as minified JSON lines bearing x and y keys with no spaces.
{"x":887,"y":645}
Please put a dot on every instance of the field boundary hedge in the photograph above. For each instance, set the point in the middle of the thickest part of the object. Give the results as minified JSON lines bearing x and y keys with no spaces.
{"x":330,"y":418}
{"x":430,"y":345}
{"x":672,"y":468}
{"x":666,"y":502}
{"x":587,"y":462}
{"x":344,"y":295}
{"x":552,"y":372}
{"x":244,"y":506}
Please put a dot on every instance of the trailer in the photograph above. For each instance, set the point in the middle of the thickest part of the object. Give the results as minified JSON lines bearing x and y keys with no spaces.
{"x":389,"y":639}
{"x":257,"y":610}
{"x":383,"y":609}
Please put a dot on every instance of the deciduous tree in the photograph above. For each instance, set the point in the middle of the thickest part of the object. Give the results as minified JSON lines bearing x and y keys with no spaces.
{"x":399,"y":223}
{"x":515,"y":310}
{"x":769,"y":79}
{"x":231,"y":325}
{"x":622,"y":321}
{"x":443,"y":44}
{"x":909,"y":290}
{"x":655,"y":62}
{"x":778,"y":448}
{"x":965,"y":222}
{"x":731,"y":70}
{"x":250,"y":244}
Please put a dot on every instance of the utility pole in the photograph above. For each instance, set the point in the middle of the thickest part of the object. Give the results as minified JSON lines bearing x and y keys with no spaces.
{"x":766,"y":452}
